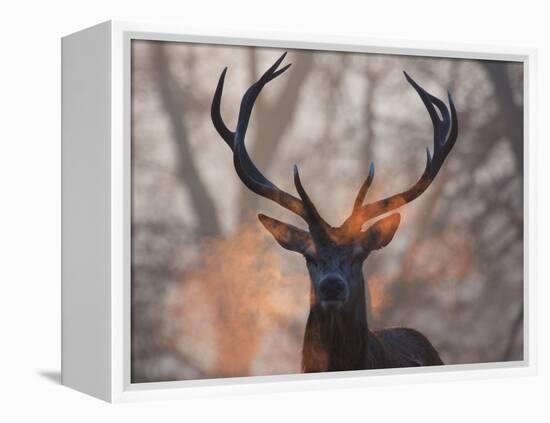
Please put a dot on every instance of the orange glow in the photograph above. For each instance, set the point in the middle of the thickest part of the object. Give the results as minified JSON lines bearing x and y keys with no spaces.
{"x":378,"y":299}
{"x":223,"y":312}
{"x":242,"y":310}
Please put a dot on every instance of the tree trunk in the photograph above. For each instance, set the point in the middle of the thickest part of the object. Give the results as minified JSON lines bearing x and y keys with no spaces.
{"x":173,"y":99}
{"x":511,"y":113}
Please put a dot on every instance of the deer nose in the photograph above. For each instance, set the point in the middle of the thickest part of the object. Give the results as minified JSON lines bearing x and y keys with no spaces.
{"x":332,"y":288}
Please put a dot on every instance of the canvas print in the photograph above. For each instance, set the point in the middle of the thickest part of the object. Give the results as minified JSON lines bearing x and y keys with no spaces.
{"x":303,"y":211}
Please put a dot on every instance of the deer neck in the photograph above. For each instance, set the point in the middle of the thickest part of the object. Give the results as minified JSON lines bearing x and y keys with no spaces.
{"x":336,"y":341}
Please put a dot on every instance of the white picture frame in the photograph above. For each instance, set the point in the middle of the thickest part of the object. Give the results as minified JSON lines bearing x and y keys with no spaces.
{"x":96,"y":213}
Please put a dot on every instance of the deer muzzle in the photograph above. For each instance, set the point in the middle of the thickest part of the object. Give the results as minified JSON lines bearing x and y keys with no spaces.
{"x":333,"y":292}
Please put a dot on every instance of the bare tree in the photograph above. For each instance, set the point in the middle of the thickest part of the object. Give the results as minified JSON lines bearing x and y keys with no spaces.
{"x":174,"y":101}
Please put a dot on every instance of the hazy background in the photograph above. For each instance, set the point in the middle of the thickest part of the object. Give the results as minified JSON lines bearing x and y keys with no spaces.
{"x":213,"y":295}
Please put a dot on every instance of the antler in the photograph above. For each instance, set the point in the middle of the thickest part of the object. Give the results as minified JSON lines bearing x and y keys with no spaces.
{"x":246,"y":169}
{"x":445,"y":134}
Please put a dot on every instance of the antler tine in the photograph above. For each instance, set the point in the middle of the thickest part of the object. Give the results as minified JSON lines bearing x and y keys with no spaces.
{"x":443,"y":139}
{"x":445,"y":135}
{"x":354,"y":221}
{"x":215,"y":113}
{"x":245,"y":167}
{"x":250,"y":96}
{"x":215,"y":110}
{"x":228,"y":135}
{"x":364,"y":189}
{"x":247,"y":171}
{"x":311,"y":210}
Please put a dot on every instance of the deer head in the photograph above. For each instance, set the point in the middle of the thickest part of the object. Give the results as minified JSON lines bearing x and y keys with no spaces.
{"x":334,"y":255}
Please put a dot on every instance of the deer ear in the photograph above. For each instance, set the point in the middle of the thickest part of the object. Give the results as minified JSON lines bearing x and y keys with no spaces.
{"x":381,"y":233}
{"x":288,"y":236}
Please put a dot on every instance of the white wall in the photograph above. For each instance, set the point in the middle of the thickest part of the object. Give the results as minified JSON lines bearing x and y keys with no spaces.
{"x":30,"y":212}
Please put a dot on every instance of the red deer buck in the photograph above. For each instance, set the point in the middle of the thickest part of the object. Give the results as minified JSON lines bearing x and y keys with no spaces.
{"x":337,"y":336}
